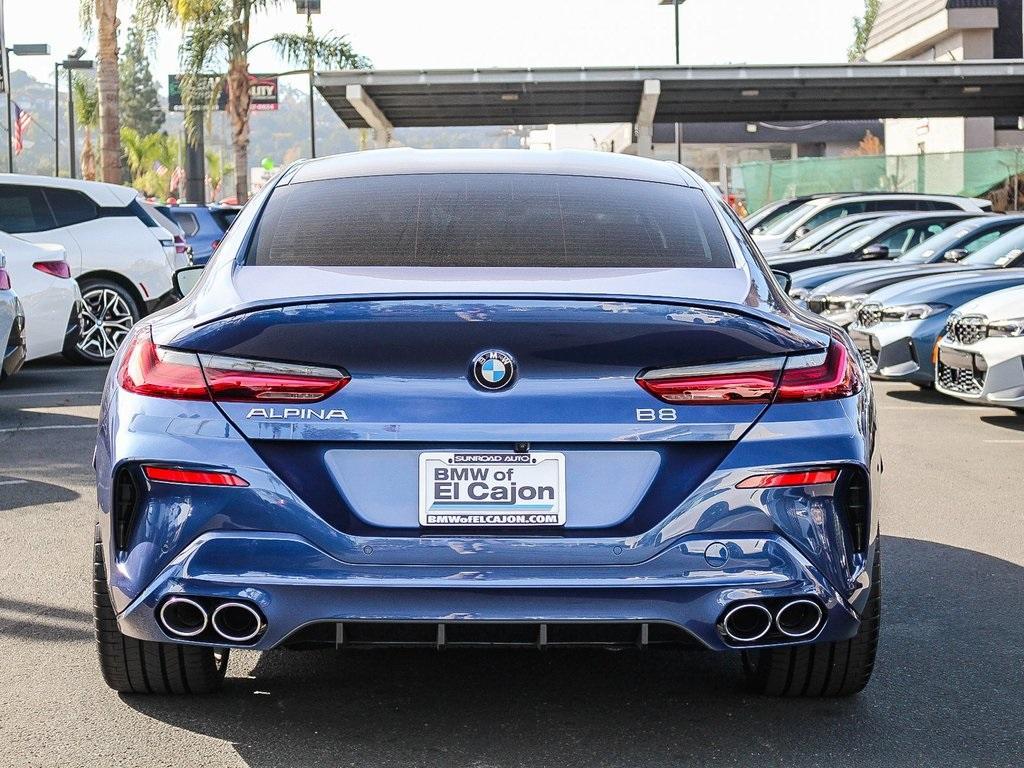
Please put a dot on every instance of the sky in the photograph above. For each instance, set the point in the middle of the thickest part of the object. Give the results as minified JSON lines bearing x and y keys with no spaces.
{"x":415,"y":34}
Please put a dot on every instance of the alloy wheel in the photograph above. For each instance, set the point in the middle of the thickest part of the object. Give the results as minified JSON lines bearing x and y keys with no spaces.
{"x":106,"y":320}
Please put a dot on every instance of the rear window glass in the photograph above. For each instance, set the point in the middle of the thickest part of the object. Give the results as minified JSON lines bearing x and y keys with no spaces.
{"x":489,"y":220}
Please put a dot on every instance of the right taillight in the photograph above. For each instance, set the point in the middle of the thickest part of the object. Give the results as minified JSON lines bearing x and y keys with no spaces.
{"x":5,"y":280}
{"x":827,"y":375}
{"x":813,"y":378}
{"x":148,"y":369}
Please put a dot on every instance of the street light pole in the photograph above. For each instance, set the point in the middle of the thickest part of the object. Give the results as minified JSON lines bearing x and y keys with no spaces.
{"x":27,"y":49}
{"x":56,"y":118}
{"x":7,"y":90}
{"x":309,"y":7}
{"x":71,"y":127}
{"x":679,"y":132}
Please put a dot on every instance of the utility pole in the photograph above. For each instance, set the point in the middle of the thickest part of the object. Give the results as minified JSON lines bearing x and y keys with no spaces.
{"x":309,"y":7}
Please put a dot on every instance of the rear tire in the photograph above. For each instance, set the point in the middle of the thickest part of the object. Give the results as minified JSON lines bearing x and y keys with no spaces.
{"x":108,"y":313}
{"x":821,"y":670}
{"x":143,"y":666}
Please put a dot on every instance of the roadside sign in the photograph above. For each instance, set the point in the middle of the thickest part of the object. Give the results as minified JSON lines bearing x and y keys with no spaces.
{"x":262,"y":93}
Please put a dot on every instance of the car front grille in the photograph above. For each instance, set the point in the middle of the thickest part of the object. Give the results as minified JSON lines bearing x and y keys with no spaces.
{"x":963,"y":380}
{"x":869,"y":315}
{"x":870,"y":362}
{"x":966,"y":329}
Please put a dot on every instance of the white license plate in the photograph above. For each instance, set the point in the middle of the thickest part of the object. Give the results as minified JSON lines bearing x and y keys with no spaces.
{"x":492,"y":489}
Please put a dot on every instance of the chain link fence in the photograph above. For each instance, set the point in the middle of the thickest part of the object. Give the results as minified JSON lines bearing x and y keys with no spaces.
{"x":991,"y":173}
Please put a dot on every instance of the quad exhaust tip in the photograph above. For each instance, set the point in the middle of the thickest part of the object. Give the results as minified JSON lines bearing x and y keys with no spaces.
{"x":237,"y":622}
{"x":798,"y":618}
{"x":747,"y":623}
{"x":183,"y":617}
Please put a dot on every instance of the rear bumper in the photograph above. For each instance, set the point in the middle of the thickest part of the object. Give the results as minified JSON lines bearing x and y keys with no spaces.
{"x":295,"y":584}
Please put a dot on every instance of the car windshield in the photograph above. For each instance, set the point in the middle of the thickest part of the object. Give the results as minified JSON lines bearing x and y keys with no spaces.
{"x":861,"y":237}
{"x":933,"y":248}
{"x":489,"y":220}
{"x":826,"y":234}
{"x":784,"y":224}
{"x":1001,"y":252}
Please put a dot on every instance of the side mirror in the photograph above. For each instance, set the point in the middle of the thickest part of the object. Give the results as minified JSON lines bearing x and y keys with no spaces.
{"x":186,"y":278}
{"x":784,"y":279}
{"x":957,"y":254}
{"x":801,"y":232}
{"x":875,"y":252}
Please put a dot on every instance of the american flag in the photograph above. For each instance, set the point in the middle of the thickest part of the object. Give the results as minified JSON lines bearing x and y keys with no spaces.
{"x":21,"y":121}
{"x":177,"y":176}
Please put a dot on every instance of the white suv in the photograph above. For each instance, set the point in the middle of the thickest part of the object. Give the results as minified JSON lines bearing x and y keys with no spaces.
{"x":818,"y":211}
{"x":122,"y":259}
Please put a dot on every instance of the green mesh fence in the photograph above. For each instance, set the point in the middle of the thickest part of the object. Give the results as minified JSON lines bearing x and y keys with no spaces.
{"x":972,"y":173}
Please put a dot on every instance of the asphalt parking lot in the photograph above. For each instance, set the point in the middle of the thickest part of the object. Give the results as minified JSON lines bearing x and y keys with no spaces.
{"x":948,"y":689}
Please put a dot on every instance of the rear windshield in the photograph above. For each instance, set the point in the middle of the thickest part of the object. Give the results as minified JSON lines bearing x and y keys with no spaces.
{"x":489,"y":220}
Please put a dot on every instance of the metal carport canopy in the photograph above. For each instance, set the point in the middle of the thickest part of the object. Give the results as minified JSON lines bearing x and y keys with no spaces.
{"x":404,"y":98}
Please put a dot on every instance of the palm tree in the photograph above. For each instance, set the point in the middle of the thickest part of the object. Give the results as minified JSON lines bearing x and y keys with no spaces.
{"x":215,"y":33}
{"x":151,"y":160}
{"x":87,"y":113}
{"x":107,"y":82}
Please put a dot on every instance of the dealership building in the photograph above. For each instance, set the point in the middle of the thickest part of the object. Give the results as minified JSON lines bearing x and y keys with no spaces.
{"x":948,"y":31}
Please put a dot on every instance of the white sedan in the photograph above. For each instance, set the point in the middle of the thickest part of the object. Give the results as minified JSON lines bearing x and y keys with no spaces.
{"x":41,"y":276}
{"x":981,"y":354}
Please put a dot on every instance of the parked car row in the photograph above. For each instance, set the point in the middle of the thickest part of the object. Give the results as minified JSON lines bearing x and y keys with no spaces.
{"x":934,"y":299}
{"x":82,"y":262}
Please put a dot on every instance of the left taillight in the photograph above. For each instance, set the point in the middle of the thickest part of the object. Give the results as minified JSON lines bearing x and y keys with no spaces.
{"x":148,"y":369}
{"x":5,"y":280}
{"x":826,"y":375}
{"x":180,"y":245}
{"x":57,"y":268}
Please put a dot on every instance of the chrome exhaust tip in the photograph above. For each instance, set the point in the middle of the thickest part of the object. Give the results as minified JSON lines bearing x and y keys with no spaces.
{"x":237,"y":622}
{"x":747,"y":623}
{"x":799,"y":618}
{"x":183,"y":617}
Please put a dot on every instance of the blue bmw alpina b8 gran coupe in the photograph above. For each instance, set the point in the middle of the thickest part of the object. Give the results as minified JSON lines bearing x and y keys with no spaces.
{"x":481,"y":397}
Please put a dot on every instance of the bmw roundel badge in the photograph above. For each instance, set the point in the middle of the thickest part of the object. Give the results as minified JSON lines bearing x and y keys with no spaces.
{"x":494,"y":369}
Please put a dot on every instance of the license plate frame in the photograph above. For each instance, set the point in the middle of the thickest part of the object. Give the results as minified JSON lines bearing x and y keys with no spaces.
{"x":458,"y":506}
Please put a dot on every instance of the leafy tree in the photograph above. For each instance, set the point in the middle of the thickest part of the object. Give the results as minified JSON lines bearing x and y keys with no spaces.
{"x":87,"y":114}
{"x":215,"y":36}
{"x":104,"y":12}
{"x":151,"y":161}
{"x":862,"y":30}
{"x":140,"y":100}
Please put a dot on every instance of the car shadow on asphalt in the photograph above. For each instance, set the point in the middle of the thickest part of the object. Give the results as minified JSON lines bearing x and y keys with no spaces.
{"x":947,"y":690}
{"x":1014,"y":421}
{"x":922,"y":396}
{"x":16,"y":493}
{"x":38,"y":621}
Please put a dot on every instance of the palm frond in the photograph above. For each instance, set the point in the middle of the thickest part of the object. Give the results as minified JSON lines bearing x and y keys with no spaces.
{"x":327,"y":51}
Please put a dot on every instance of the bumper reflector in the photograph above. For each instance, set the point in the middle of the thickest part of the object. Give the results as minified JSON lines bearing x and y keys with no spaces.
{"x":790,"y":479}
{"x":192,"y":477}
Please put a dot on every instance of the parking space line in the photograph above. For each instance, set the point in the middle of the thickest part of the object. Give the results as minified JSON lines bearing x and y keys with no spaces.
{"x":12,"y":482}
{"x":49,"y":426}
{"x":954,"y":409}
{"x":1005,"y":442}
{"x":52,"y":394}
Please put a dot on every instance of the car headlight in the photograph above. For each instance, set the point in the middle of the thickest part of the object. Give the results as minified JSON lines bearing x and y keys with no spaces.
{"x":799,"y":294}
{"x":911,"y":312}
{"x":1012,"y":328}
{"x":844,"y":303}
